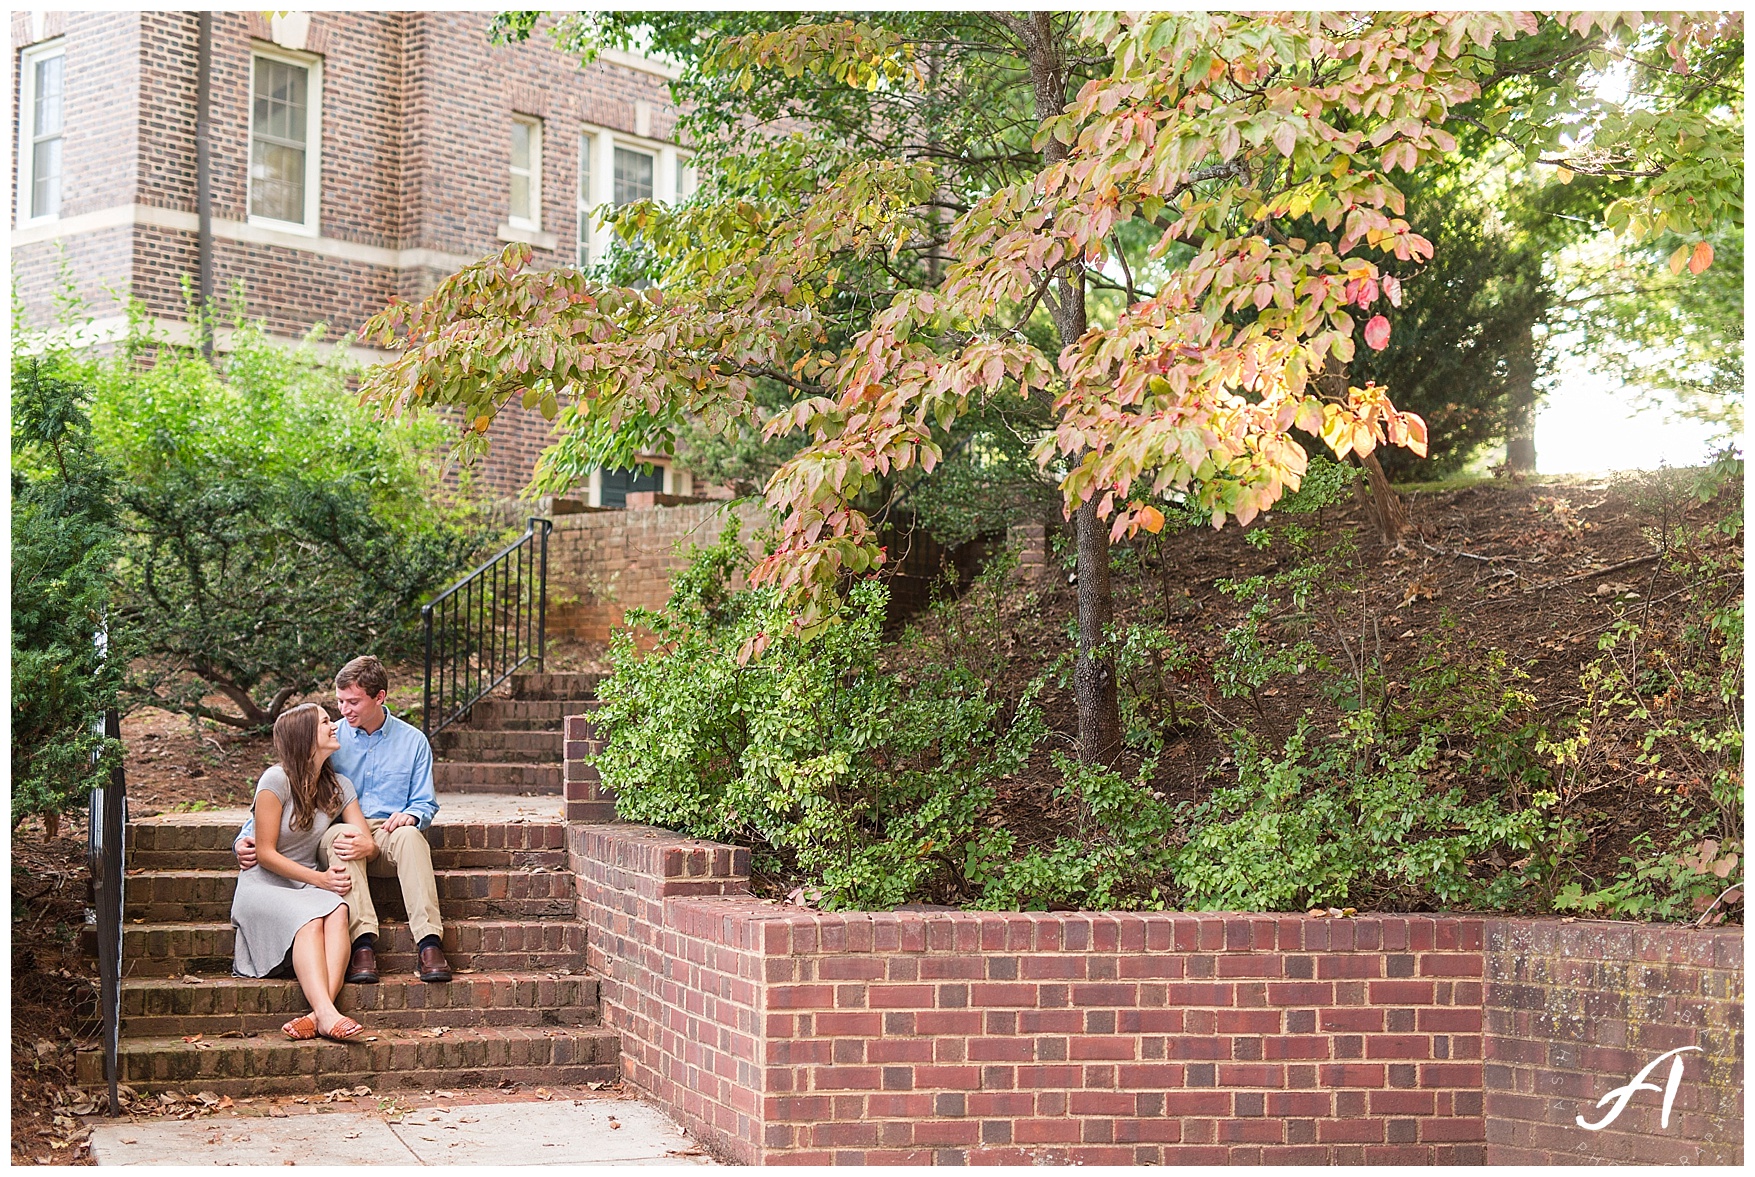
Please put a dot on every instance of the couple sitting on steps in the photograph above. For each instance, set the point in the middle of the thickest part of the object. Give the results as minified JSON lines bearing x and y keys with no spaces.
{"x":344,"y":798}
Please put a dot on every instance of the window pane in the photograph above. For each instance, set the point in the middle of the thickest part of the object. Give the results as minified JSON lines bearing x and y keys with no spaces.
{"x":521,"y":197}
{"x":615,"y":484}
{"x":633,"y":176}
{"x":279,"y":109}
{"x":45,"y":194}
{"x":47,"y":119}
{"x":585,"y":169}
{"x":277,"y":187}
{"x":521,"y":145}
{"x":584,"y":239}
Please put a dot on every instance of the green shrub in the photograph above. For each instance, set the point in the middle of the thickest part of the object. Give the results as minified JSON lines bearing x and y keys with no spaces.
{"x":274,"y":528}
{"x":1116,"y":858}
{"x":815,"y":755}
{"x":64,"y":533}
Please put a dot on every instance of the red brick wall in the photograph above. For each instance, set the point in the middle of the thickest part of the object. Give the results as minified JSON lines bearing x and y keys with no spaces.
{"x":1576,"y":1010}
{"x":954,"y":1037}
{"x":602,"y":563}
{"x":949,"y":1037}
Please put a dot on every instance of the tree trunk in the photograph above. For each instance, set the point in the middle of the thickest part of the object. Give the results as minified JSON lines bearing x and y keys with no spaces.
{"x":1094,"y":687}
{"x":1520,"y":404}
{"x":1387,"y":509}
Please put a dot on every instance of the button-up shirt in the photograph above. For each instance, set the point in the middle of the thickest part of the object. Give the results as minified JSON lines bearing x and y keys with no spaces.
{"x":391,"y":770}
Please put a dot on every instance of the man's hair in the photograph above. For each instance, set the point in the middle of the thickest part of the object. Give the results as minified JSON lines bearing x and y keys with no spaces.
{"x":365,"y":672}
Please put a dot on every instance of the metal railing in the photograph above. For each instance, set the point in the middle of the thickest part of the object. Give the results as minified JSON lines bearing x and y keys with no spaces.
{"x":106,"y":837}
{"x":484,"y":627}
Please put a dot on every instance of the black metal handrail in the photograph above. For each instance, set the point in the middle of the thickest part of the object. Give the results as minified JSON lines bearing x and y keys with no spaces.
{"x":105,"y":851}
{"x":486,"y":626}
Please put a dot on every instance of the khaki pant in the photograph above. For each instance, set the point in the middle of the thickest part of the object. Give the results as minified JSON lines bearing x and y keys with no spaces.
{"x":403,"y":853}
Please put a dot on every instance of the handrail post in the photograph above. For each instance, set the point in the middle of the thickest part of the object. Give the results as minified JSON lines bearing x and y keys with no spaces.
{"x":112,"y":807}
{"x":426,"y":694}
{"x":542,"y":588}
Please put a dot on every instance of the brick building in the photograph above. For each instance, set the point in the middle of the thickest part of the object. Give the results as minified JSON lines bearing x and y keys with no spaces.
{"x":353,"y":156}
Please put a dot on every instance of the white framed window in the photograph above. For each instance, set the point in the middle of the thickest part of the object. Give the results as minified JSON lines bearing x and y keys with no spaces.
{"x":688,"y":178}
{"x":635,"y":175}
{"x":286,"y":120}
{"x":617,"y":169}
{"x":525,"y":211}
{"x":42,"y":118}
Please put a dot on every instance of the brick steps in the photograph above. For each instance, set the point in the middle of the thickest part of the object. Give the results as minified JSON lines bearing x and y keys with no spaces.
{"x":205,"y":947}
{"x":164,"y":1007}
{"x":203,"y":842}
{"x":167,"y":896}
{"x":556,"y":685}
{"x":450,"y":776}
{"x":470,"y":1056}
{"x":501,"y":714}
{"x":469,"y":744}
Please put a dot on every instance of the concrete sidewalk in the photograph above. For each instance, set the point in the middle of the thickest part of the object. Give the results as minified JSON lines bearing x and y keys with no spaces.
{"x":564,"y":1127}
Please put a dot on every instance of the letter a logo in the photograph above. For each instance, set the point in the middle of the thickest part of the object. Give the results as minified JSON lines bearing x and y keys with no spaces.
{"x":1622,"y":1094}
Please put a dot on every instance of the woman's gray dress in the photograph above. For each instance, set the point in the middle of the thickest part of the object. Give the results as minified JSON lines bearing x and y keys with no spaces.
{"x":268,"y":910}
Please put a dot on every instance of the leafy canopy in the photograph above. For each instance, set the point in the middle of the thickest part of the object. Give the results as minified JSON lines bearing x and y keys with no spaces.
{"x":1226,"y":135}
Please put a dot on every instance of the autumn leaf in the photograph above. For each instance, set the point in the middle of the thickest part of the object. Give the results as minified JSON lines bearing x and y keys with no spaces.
{"x":1377,"y":333}
{"x":1701,"y":257}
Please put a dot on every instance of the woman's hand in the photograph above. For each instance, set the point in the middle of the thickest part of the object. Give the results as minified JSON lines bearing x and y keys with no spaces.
{"x":337,"y":880}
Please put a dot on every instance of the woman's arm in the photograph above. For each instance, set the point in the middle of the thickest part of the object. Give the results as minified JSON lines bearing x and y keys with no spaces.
{"x":361,"y":834}
{"x":268,"y":810}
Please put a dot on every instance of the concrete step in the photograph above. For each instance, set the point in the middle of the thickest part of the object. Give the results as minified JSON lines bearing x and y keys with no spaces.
{"x":172,"y":896}
{"x":522,"y":714}
{"x":163,"y":1007}
{"x":556,"y":685}
{"x":176,"y":949}
{"x":470,"y":744}
{"x":382,"y":1058}
{"x":202,"y":841}
{"x":452,"y":776}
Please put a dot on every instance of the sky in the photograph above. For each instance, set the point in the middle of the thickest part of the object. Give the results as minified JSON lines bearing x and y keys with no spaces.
{"x":1585,"y":427}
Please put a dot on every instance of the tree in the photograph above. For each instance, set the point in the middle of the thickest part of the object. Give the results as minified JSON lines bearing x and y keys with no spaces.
{"x":1227,"y":138}
{"x":67,"y":657}
{"x":271,"y":529}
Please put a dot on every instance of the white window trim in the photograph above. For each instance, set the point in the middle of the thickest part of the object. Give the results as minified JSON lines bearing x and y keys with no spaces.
{"x":532,"y":224}
{"x":666,"y":172}
{"x":27,"y":101}
{"x":313,"y":140}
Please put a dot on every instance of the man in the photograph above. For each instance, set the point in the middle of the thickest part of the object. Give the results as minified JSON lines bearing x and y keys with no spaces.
{"x":391,"y":767}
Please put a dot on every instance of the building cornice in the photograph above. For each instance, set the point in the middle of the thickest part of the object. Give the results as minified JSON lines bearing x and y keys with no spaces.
{"x":123,"y":215}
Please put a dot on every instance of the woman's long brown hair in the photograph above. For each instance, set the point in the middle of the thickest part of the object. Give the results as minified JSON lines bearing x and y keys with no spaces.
{"x":295,"y":740}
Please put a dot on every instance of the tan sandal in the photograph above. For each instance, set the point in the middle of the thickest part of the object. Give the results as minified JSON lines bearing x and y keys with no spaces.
{"x":344,"y":1030}
{"x":301,"y":1029}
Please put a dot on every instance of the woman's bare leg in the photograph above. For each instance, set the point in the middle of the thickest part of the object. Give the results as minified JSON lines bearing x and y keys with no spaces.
{"x":310,"y":965}
{"x":336,"y":948}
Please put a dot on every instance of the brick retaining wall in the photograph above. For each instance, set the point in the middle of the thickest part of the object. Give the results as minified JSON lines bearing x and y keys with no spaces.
{"x":603,"y":563}
{"x":786,"y":1036}
{"x":1574,"y":1010}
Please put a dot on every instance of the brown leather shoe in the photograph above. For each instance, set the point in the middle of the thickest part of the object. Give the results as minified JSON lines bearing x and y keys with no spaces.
{"x":362,"y":967}
{"x":433,"y":966}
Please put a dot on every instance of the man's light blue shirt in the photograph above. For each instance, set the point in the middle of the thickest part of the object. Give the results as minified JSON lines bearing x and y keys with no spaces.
{"x":391,"y":769}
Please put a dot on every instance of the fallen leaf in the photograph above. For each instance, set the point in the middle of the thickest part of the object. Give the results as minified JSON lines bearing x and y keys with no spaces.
{"x":279,"y":1113}
{"x":362,"y":1089}
{"x":350,"y":1135}
{"x":207,"y":1097}
{"x":192,"y":979}
{"x":127,"y":1140}
{"x":191,"y":1038}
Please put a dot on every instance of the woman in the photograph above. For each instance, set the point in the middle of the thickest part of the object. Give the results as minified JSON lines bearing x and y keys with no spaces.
{"x":285,"y":909}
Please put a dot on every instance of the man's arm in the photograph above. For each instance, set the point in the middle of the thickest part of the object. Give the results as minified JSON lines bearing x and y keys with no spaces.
{"x":423,"y":799}
{"x":244,"y":845}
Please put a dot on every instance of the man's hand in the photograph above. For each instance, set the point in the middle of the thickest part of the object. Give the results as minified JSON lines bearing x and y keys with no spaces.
{"x":348,"y":846}
{"x":246,"y":851}
{"x":397,"y":820}
{"x":337,"y":880}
